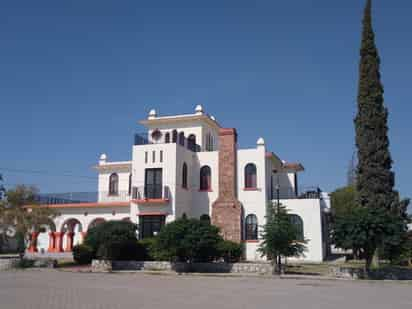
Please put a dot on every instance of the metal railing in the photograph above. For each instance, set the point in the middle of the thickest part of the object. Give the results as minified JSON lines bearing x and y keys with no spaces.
{"x":66,"y":198}
{"x":308,"y":192}
{"x":143,"y":139}
{"x":121,"y":196}
{"x":151,"y":192}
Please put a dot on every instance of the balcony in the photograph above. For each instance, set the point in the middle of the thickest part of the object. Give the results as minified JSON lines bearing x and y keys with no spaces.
{"x":143,"y":139}
{"x":151,"y":194}
{"x":309,"y":192}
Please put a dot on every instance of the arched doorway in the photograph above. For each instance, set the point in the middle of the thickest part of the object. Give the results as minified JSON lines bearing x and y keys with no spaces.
{"x":71,"y":234}
{"x":45,"y":238}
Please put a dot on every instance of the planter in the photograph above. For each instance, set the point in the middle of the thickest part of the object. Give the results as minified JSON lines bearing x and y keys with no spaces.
{"x":240,"y":268}
{"x":386,"y":273}
{"x":101,"y":266}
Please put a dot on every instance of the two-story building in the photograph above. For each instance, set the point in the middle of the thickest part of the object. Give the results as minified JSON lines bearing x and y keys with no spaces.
{"x":189,"y":164}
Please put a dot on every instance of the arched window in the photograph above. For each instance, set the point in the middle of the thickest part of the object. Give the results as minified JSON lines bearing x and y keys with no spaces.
{"x":113,"y":184}
{"x":167,"y":138}
{"x":191,"y":142}
{"x":174,"y":136}
{"x":130,"y":183}
{"x":251,"y":227}
{"x":184,"y":176}
{"x":205,"y":178}
{"x":182,"y":138}
{"x":298,"y":223}
{"x":250,"y":176}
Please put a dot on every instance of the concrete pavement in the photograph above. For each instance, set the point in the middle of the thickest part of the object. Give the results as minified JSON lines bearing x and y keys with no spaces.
{"x":56,"y":289}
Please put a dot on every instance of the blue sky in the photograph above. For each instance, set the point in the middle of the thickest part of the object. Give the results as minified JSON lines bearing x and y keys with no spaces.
{"x":76,"y":76}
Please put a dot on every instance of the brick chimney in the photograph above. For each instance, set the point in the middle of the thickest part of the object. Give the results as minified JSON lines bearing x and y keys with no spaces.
{"x":227,"y":210}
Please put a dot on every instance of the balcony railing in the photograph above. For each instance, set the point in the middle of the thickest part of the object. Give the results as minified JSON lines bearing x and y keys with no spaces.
{"x":142,"y":139}
{"x":289,"y":193}
{"x":121,"y":196}
{"x":151,"y":192}
{"x":66,"y":198}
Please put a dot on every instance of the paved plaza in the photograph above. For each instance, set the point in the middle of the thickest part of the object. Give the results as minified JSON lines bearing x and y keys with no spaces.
{"x":59,"y":290}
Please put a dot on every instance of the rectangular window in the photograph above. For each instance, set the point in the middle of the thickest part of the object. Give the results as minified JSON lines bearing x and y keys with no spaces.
{"x":145,"y":157}
{"x":153,"y":186}
{"x":161,"y":156}
{"x":153,"y":156}
{"x":150,"y":225}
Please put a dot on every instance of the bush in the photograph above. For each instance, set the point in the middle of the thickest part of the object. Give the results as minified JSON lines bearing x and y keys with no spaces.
{"x":230,"y":251}
{"x":188,"y":240}
{"x":122,"y":250}
{"x":109,"y":232}
{"x":82,"y":254}
{"x":152,"y":251}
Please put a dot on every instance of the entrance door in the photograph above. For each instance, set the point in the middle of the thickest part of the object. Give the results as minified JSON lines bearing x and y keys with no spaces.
{"x":153,"y":183}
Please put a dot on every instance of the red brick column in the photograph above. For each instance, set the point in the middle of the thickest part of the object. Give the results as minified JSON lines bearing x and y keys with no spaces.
{"x":69,"y":242}
{"x":84,"y":234}
{"x":227,"y":210}
{"x":52,"y":243}
{"x":33,"y":242}
{"x":58,"y":241}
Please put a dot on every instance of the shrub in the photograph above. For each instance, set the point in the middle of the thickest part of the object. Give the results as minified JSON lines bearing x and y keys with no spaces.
{"x":230,"y":251}
{"x":122,"y":250}
{"x":82,"y":254}
{"x":188,"y":240}
{"x":109,"y":232}
{"x":152,"y":250}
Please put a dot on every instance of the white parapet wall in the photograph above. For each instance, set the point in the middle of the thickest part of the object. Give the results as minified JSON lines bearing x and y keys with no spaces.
{"x":310,"y":212}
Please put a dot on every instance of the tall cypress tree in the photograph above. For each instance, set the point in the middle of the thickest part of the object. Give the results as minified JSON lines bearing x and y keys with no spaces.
{"x":375,"y":180}
{"x":384,"y":219}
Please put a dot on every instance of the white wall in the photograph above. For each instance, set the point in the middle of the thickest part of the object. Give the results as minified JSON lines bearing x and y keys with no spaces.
{"x":202,"y":201}
{"x":310,"y":212}
{"x":253,"y":202}
{"x":103,"y":183}
{"x":168,"y":166}
{"x":86,"y":215}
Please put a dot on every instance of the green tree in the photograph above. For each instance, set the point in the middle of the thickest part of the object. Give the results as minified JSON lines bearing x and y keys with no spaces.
{"x":20,"y":210}
{"x":280,"y":237}
{"x":343,"y":200}
{"x":355,"y":229}
{"x":189,"y":240}
{"x":375,"y":179}
{"x":103,"y":235}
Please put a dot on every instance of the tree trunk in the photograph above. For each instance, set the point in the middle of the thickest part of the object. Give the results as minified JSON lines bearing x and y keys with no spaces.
{"x":375,"y":258}
{"x":279,"y":264}
{"x":368,"y":263}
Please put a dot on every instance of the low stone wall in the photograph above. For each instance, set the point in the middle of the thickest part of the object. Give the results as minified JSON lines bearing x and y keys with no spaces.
{"x":251,"y":268}
{"x":387,"y":273}
{"x":14,"y":263}
{"x":7,"y":264}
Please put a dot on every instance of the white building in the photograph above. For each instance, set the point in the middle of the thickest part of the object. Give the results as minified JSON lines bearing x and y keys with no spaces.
{"x":188,"y":164}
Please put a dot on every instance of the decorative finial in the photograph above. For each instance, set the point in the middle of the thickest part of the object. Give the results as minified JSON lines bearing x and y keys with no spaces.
{"x":103,"y":158}
{"x":152,"y":114}
{"x":199,"y":109}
